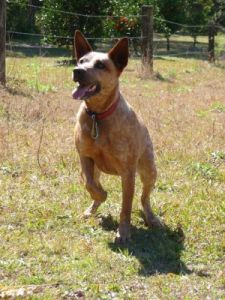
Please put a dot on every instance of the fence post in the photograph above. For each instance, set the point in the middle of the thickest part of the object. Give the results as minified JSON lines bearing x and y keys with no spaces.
{"x":211,"y":43}
{"x":147,"y":38}
{"x":2,"y":41}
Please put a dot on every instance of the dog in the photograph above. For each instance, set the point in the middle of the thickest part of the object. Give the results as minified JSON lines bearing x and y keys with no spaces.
{"x":109,"y":136}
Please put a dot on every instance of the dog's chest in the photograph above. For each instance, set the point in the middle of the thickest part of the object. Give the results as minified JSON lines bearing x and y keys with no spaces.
{"x":110,"y":151}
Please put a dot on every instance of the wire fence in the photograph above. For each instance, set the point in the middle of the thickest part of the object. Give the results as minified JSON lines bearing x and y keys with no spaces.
{"x":179,"y":44}
{"x":73,"y":13}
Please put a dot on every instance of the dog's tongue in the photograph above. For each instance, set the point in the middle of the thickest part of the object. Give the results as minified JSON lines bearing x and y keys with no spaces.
{"x":79,"y":92}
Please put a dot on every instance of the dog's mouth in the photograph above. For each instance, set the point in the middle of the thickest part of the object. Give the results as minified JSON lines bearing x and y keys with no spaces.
{"x":84,"y":92}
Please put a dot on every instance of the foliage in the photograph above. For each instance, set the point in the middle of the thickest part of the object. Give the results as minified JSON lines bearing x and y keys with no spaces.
{"x":128,"y":21}
{"x":20,"y":16}
{"x":218,"y":11}
{"x":173,"y":11}
{"x":123,"y":23}
{"x":198,"y":13}
{"x":55,"y":23}
{"x":121,"y":18}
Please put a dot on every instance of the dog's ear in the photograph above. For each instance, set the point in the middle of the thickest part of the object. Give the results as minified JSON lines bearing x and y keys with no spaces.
{"x":81,"y":45}
{"x":119,"y":54}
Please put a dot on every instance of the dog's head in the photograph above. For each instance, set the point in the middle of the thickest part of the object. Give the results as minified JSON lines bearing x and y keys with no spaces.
{"x":97,"y":73}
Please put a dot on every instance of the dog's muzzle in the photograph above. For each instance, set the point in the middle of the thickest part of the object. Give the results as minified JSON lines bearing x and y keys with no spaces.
{"x":86,"y":87}
{"x":79,"y":74}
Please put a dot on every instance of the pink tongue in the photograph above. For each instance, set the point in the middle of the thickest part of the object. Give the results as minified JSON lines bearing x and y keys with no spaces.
{"x":79,"y":93}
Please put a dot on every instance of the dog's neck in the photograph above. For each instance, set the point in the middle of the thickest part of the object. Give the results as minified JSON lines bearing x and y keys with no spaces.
{"x":97,"y":106}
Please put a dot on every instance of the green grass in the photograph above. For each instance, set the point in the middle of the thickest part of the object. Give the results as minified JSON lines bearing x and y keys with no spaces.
{"x":49,"y":251}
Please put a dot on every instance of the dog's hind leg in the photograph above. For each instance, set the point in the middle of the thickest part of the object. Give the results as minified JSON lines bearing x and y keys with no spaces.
{"x":91,"y":176}
{"x":148,"y":174}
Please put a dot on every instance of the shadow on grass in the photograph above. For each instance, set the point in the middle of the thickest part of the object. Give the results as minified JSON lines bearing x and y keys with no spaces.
{"x":160,"y":77}
{"x":158,"y":251}
{"x":220,"y":65}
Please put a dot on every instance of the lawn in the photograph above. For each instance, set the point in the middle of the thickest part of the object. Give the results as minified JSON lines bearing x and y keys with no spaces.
{"x":49,"y":251}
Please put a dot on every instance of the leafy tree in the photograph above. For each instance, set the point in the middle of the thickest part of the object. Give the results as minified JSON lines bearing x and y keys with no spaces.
{"x":198,"y":13}
{"x":218,"y":11}
{"x":121,"y":18}
{"x":127,"y":23}
{"x":173,"y":11}
{"x":125,"y":19}
{"x":20,"y":16}
{"x":54,"y":22}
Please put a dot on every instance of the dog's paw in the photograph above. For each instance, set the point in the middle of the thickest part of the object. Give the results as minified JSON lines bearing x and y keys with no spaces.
{"x":121,"y":239}
{"x":123,"y":234}
{"x":154,"y":221}
{"x":88,"y":213}
{"x":92,"y":210}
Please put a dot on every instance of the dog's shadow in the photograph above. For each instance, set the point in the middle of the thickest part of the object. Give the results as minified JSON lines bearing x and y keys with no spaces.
{"x":158,"y":251}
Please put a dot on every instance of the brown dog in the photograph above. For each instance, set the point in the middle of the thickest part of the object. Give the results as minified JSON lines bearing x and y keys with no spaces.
{"x":109,"y":136}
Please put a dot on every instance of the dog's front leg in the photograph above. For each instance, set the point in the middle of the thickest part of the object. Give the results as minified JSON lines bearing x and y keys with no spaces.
{"x":92,"y":185}
{"x":128,"y":183}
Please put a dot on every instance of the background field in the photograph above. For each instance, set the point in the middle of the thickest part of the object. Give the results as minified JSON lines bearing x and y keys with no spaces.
{"x":49,"y":251}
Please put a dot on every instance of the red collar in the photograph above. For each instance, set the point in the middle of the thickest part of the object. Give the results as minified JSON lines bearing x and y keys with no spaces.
{"x":105,"y":114}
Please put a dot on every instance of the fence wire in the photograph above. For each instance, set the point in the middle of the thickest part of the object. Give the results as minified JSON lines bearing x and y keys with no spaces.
{"x":74,"y":14}
{"x":180,"y":44}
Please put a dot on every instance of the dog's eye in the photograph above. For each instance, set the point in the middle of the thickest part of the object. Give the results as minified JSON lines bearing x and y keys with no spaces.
{"x":81,"y":61}
{"x":99,"y":65}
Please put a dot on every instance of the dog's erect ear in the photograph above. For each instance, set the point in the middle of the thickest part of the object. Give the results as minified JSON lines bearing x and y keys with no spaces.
{"x":119,"y":54}
{"x":81,"y":45}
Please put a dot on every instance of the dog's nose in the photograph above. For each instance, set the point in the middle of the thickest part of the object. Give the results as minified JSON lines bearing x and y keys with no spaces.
{"x":78,"y":74}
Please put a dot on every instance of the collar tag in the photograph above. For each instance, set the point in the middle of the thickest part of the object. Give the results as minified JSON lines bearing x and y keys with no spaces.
{"x":100,"y":116}
{"x":94,"y":129}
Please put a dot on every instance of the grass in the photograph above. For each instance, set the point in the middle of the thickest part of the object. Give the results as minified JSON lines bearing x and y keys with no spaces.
{"x":49,"y":251}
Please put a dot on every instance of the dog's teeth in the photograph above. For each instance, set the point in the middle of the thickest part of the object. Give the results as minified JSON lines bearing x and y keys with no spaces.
{"x":92,"y":88}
